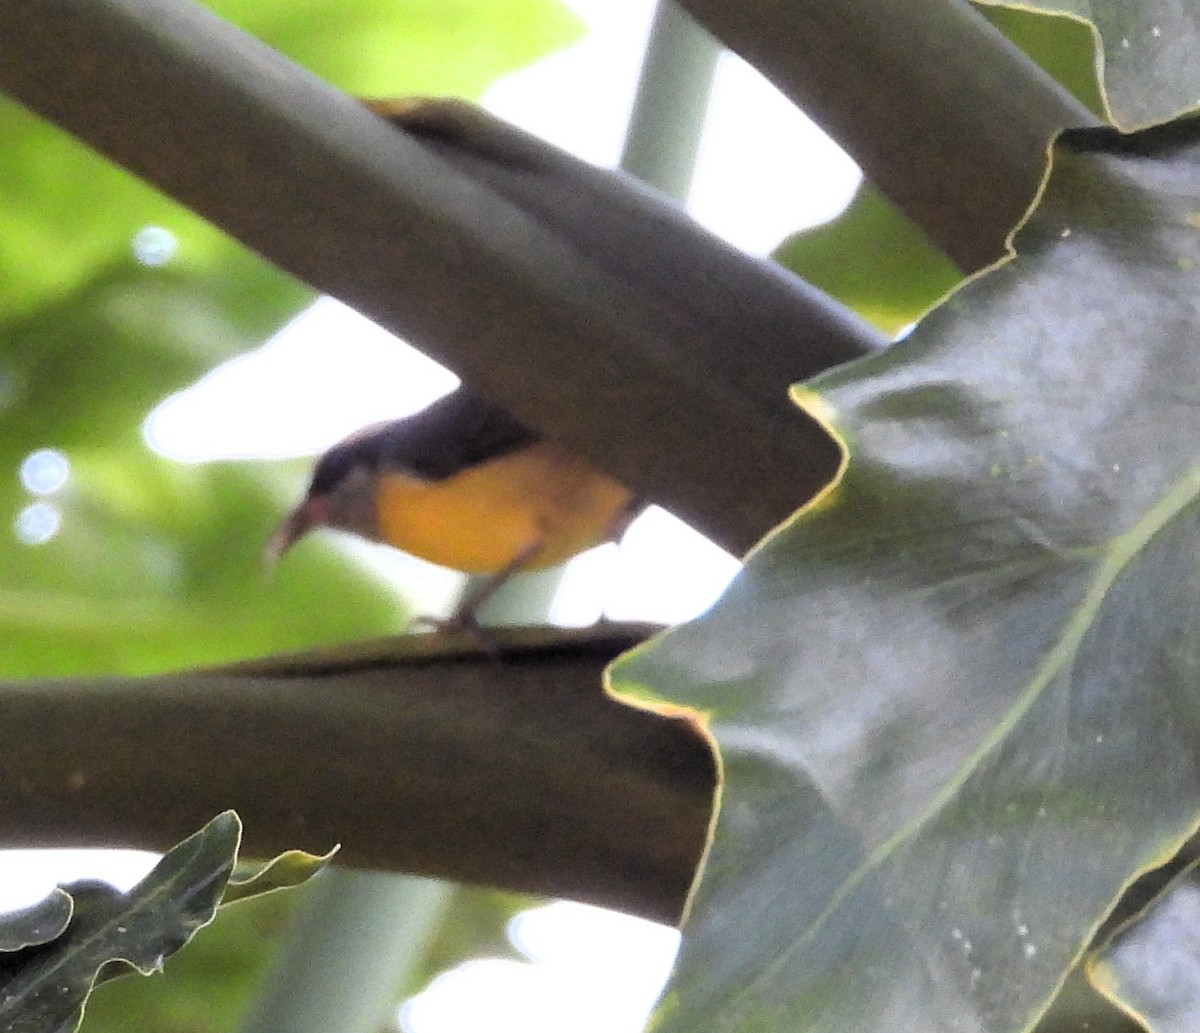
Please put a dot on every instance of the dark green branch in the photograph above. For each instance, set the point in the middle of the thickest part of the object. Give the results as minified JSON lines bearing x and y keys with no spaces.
{"x":512,"y":770}
{"x":945,"y":116}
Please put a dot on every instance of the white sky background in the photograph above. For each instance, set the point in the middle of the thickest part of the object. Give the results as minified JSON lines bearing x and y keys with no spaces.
{"x":758,"y":178}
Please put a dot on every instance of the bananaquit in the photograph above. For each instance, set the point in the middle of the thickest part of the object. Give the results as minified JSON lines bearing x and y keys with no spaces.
{"x":464,"y":485}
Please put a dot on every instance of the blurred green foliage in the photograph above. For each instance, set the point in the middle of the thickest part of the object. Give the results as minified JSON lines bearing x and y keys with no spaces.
{"x":158,"y":564}
{"x":874,"y":260}
{"x":1065,"y":47}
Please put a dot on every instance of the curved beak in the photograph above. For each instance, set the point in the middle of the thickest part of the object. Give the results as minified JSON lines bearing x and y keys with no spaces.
{"x":312,"y":512}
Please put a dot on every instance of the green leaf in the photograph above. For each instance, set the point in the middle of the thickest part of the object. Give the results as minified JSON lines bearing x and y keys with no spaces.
{"x":874,"y":260}
{"x":1079,"y":1008}
{"x":1149,"y":54}
{"x":218,"y":975}
{"x":286,"y":871}
{"x":43,"y":989}
{"x":1151,"y":967}
{"x":44,"y":986}
{"x":39,"y":923}
{"x":381,"y":48}
{"x":955,"y":697}
{"x":212,"y":979}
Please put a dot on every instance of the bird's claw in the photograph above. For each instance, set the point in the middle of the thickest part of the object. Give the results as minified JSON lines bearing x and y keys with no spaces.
{"x":464,"y":624}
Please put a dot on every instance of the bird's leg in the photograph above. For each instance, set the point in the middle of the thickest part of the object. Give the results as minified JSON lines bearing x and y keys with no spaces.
{"x":465,"y":617}
{"x":478,"y":597}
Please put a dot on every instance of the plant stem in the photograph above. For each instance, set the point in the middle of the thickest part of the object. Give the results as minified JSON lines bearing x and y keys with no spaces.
{"x":946,"y":117}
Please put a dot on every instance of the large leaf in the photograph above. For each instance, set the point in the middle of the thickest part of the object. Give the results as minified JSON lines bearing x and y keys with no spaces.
{"x":1147,"y":53}
{"x":1080,"y":1008}
{"x":956,"y":697}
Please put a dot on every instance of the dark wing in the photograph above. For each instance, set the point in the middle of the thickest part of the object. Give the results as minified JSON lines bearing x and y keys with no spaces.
{"x":458,"y":431}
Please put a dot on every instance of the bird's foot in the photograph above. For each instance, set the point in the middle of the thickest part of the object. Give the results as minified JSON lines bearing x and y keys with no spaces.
{"x":462,"y":623}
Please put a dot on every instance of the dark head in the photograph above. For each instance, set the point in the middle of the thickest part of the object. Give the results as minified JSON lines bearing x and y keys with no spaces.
{"x":458,"y":431}
{"x":341,"y":493}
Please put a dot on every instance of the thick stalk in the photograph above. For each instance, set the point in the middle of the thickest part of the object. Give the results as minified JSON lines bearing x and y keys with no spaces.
{"x":945,"y":116}
{"x":508,"y":769}
{"x":357,"y":939}
{"x":671,"y":101}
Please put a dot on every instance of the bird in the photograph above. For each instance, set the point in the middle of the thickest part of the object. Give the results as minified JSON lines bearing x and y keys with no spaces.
{"x":465,"y":485}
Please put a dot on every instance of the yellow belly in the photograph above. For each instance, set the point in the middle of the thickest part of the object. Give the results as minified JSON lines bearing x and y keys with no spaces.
{"x":481,"y":519}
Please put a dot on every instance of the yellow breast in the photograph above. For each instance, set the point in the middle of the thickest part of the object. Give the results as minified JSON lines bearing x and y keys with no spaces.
{"x":482,"y":518}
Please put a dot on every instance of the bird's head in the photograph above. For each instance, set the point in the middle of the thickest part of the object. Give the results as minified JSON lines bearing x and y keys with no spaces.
{"x":341,"y":495}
